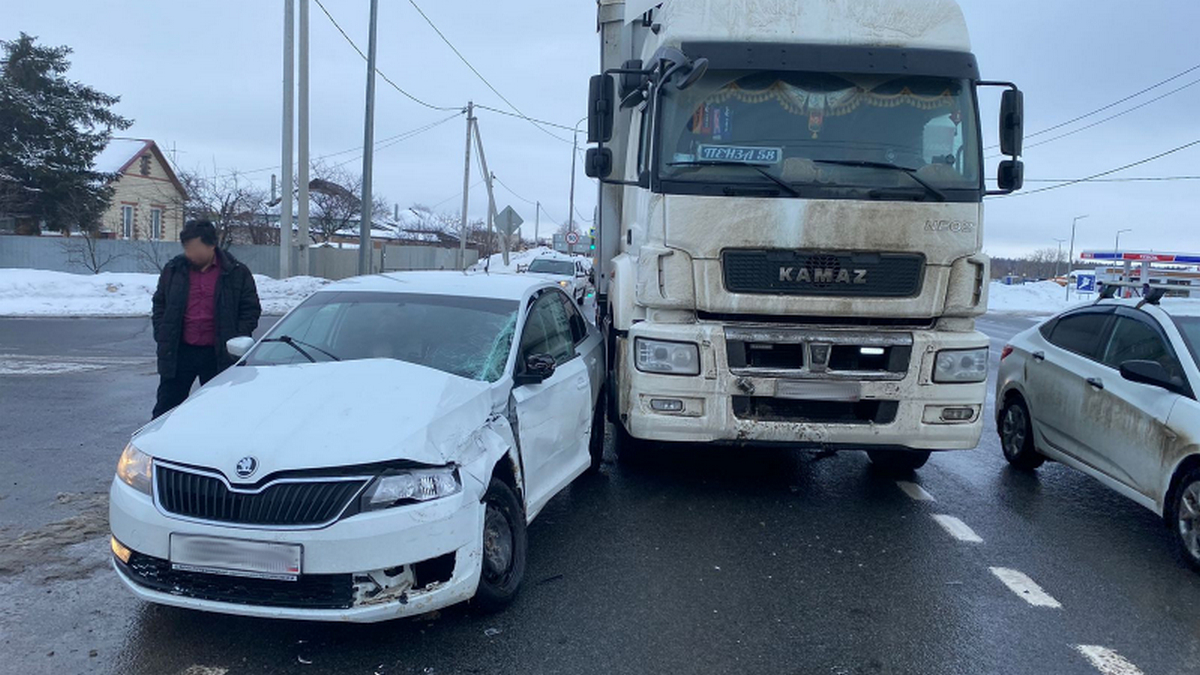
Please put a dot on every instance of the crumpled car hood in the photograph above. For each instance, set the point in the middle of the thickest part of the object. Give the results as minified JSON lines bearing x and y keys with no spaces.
{"x":321,"y":415}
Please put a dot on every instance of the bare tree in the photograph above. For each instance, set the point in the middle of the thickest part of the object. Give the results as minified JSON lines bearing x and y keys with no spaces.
{"x":85,"y":251}
{"x":154,"y":254}
{"x":235,"y":206}
{"x":336,"y":202}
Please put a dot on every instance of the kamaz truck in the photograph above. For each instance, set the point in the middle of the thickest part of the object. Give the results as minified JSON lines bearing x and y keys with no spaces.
{"x":791,"y":223}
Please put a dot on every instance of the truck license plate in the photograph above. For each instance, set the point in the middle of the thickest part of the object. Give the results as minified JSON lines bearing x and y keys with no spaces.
{"x":236,"y":557}
{"x":804,"y":390}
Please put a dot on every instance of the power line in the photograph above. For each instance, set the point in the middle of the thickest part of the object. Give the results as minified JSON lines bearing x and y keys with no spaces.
{"x":1146,"y":179}
{"x":458,"y":194}
{"x":480,"y":75}
{"x":1105,"y":173}
{"x":1107,"y":107}
{"x":400,"y":138}
{"x":525,"y":117}
{"x":1109,"y":118}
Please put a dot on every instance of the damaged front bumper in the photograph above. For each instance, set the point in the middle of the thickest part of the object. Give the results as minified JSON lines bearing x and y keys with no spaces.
{"x":401,"y":561}
{"x":806,"y":386}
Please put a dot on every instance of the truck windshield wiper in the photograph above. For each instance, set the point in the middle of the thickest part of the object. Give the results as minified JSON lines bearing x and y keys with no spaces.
{"x":757,"y":167}
{"x":911,"y":173}
{"x":295,"y":344}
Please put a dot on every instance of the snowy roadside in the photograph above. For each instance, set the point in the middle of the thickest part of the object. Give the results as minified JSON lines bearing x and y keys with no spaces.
{"x":39,"y":293}
{"x":1045,"y":298}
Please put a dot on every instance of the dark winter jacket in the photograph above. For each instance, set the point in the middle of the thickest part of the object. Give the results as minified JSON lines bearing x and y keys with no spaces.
{"x":237,"y":309}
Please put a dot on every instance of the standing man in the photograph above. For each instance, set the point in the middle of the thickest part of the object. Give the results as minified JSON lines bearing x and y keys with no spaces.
{"x":204,"y":298}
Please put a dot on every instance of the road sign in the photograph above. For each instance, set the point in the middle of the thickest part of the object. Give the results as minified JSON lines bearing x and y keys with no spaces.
{"x":1085,"y":283}
{"x":572,"y":238}
{"x":508,"y":221}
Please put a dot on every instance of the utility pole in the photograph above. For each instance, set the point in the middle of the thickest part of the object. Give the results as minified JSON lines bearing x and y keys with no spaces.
{"x":364,"y":235}
{"x":1058,"y":259}
{"x":1071,"y":256}
{"x":491,"y":214}
{"x":285,"y":209}
{"x":466,"y":202}
{"x":302,"y":239}
{"x":1117,"y":245}
{"x":537,"y":223}
{"x":571,"y":203}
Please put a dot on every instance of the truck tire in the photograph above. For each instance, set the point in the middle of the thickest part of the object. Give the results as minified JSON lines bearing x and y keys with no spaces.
{"x":630,"y":450}
{"x":504,"y":547}
{"x":1183,"y":517}
{"x":1016,"y":436}
{"x":898,"y":461}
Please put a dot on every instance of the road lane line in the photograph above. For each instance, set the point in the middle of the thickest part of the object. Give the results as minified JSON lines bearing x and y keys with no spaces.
{"x":1025,"y":588}
{"x":204,"y":670}
{"x":957,"y":529}
{"x":916,"y":492}
{"x":1107,"y":661}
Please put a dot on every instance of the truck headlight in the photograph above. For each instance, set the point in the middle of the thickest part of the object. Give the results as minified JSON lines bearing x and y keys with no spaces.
{"x":961,"y":365}
{"x":420,"y":485}
{"x":667,"y":358}
{"x":135,"y":469}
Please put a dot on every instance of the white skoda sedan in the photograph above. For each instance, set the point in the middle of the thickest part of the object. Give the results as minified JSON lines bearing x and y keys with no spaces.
{"x":1110,"y":389}
{"x":378,"y":454}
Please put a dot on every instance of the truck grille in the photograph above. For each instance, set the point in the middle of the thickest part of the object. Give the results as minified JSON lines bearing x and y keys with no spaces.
{"x":284,"y":502}
{"x":819,"y":273}
{"x":310,"y":591}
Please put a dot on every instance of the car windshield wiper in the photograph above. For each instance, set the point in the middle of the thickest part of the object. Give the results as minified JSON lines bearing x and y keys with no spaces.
{"x":295,"y":344}
{"x":757,"y":167}
{"x":911,"y":173}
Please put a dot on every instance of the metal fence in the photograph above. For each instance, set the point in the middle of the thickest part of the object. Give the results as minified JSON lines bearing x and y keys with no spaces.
{"x":73,"y":254}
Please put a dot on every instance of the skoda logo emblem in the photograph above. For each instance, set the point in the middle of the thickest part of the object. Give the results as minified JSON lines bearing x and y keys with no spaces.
{"x":246,"y":467}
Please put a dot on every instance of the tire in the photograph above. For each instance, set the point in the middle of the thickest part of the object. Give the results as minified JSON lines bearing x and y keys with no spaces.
{"x":596,"y":440}
{"x":1016,"y":436}
{"x":898,"y":461}
{"x":630,"y":450}
{"x":504,"y":548}
{"x":1183,"y":517}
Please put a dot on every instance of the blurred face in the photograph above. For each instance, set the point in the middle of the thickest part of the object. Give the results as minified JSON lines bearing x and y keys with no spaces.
{"x":198,"y":253}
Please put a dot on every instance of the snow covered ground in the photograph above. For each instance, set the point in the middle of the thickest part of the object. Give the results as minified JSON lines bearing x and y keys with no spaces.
{"x":42,"y":293}
{"x":522,"y":259}
{"x":1046,"y":297}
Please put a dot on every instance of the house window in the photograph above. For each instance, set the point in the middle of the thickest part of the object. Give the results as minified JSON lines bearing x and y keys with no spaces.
{"x":127,"y":222}
{"x":156,"y":224}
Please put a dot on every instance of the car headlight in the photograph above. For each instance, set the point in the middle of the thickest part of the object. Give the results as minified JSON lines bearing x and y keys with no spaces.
{"x":419,"y":485}
{"x":961,"y":365}
{"x":564,"y":283}
{"x":135,"y":469}
{"x":667,"y":358}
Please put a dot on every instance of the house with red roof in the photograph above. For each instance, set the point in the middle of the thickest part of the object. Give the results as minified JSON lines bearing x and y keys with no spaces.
{"x":148,"y":198}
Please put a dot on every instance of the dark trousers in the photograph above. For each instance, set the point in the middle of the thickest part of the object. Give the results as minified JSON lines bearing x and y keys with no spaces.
{"x":194,"y":362}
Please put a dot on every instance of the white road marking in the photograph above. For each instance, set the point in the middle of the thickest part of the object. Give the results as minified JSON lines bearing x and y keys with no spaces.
{"x":1025,"y":588}
{"x":1107,"y":661}
{"x":916,"y":492}
{"x":204,"y":670}
{"x":958,"y":529}
{"x":20,"y":364}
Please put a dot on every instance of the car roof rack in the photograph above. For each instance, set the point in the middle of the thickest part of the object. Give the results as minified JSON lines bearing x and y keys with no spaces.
{"x":1152,"y":294}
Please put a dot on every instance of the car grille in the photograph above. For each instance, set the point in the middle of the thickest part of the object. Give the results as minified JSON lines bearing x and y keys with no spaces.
{"x":310,"y":502}
{"x":309,"y":591}
{"x":819,"y":273}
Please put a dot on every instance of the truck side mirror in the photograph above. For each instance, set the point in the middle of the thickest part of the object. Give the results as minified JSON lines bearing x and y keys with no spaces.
{"x":602,"y":98}
{"x":1012,"y":122}
{"x":1010,"y":176}
{"x":598,"y":162}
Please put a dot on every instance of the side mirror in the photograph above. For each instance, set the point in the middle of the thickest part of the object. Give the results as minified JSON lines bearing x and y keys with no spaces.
{"x":1151,"y":373}
{"x":697,"y":70}
{"x":1010,"y":176}
{"x":602,"y":98}
{"x":1012,"y":122}
{"x":538,"y":368}
{"x":598,"y":163}
{"x":238,"y":346}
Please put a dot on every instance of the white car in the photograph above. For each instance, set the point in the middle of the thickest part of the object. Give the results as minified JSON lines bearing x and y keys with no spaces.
{"x":378,"y":454}
{"x":572,"y":274}
{"x":1110,"y":389}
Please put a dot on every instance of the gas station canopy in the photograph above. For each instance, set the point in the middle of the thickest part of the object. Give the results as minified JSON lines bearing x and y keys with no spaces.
{"x":1142,"y":256}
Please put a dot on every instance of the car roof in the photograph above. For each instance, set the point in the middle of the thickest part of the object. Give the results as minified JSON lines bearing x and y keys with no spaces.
{"x":500,"y":286}
{"x":1168,"y":306}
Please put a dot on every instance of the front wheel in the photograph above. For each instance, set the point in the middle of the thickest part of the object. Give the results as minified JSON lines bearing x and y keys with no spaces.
{"x":629,"y":450}
{"x":1183,"y":516}
{"x":898,"y":461}
{"x":596,"y":441}
{"x":504,"y":546}
{"x":1016,"y":436}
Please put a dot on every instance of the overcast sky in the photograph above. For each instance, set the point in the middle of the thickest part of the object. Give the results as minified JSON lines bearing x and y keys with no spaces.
{"x":205,"y":78}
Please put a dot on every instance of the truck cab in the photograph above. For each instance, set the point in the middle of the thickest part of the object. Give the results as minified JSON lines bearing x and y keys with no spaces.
{"x":791,"y":223}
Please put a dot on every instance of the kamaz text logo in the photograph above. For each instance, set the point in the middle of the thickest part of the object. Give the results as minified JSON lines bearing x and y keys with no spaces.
{"x":963,"y":226}
{"x":822,"y":275}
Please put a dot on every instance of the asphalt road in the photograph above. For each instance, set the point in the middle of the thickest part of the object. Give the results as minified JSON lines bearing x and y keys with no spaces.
{"x":704,"y":561}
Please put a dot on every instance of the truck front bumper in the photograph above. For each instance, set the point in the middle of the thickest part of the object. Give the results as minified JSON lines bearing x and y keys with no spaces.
{"x":755,"y":405}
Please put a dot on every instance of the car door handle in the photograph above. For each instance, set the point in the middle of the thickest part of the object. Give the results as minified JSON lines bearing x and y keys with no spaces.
{"x":1039,"y":356}
{"x":1096,"y":383}
{"x":581,"y":383}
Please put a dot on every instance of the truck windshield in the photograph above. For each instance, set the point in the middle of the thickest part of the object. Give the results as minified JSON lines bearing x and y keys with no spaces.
{"x":823,"y":131}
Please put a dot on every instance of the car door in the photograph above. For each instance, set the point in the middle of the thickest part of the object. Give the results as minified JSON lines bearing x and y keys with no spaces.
{"x":552,"y":415}
{"x":1056,"y":377}
{"x":1126,"y":428}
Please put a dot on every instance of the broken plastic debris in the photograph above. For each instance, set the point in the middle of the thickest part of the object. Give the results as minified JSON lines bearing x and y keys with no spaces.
{"x":492,"y":632}
{"x":303,"y":661}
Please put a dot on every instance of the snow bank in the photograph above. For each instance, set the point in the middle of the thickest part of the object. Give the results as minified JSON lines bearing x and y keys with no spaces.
{"x":42,"y":293}
{"x":523,"y":258}
{"x":1046,"y":297}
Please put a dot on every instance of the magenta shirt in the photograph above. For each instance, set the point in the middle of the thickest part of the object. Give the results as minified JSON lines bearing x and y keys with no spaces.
{"x":199,"y":319}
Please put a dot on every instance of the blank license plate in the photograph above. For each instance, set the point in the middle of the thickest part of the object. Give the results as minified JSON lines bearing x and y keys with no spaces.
{"x":819,"y":391}
{"x":236,"y":557}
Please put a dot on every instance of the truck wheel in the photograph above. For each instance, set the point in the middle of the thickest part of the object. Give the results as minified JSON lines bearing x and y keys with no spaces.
{"x":1183,"y":516}
{"x":629,"y":450}
{"x":504,"y":545}
{"x":898,"y":461}
{"x":596,"y":441}
{"x":1016,"y":436}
